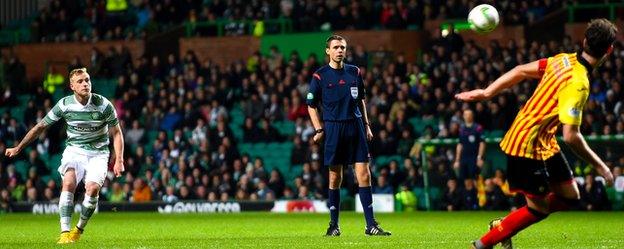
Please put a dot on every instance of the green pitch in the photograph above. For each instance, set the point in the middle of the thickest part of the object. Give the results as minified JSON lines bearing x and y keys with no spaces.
{"x":267,"y":230}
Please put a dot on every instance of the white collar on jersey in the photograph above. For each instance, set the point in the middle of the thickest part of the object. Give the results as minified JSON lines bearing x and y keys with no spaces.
{"x":88,"y":101}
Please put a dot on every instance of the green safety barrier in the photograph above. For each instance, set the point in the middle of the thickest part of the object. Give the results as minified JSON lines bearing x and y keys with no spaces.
{"x":1,"y":73}
{"x":453,"y":141}
{"x":427,"y":144}
{"x":12,"y":37}
{"x":610,"y":6}
{"x":284,"y":24}
{"x":304,"y":43}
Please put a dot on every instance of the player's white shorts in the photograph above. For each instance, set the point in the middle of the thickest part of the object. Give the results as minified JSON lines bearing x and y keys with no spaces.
{"x":90,"y":166}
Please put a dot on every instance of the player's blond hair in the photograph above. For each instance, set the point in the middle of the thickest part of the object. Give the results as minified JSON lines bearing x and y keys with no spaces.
{"x":77,"y":71}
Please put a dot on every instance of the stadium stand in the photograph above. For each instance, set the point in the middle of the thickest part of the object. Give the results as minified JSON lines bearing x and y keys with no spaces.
{"x":229,"y":129}
{"x":94,"y":20}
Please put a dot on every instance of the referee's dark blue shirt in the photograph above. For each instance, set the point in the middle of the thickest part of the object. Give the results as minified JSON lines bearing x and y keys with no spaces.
{"x":470,"y":138}
{"x":339,"y":92}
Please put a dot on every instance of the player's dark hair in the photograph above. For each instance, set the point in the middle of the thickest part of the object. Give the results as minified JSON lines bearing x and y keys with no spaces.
{"x":600,"y":35}
{"x":333,"y":37}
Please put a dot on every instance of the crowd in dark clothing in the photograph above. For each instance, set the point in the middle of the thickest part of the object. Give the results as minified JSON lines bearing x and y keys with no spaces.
{"x":178,"y":118}
{"x":90,"y":20}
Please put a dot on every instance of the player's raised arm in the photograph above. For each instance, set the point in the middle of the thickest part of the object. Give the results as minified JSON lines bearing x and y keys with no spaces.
{"x":30,"y":136}
{"x":532,"y":70}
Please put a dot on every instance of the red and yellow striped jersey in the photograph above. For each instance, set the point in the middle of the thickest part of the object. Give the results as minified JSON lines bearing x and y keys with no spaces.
{"x":559,"y":98}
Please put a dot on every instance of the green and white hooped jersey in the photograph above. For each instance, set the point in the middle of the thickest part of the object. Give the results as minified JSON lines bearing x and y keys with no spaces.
{"x":87,"y":126}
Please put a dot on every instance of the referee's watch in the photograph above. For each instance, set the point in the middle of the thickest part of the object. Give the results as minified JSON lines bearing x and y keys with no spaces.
{"x":317,"y":131}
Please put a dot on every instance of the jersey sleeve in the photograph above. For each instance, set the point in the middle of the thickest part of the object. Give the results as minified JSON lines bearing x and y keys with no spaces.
{"x":542,"y":64}
{"x":110,"y":115}
{"x":572,"y":98}
{"x":54,"y":115}
{"x":314,"y":91}
{"x":360,"y":83}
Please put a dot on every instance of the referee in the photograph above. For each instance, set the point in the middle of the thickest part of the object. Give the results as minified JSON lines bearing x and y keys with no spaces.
{"x":338,"y":90}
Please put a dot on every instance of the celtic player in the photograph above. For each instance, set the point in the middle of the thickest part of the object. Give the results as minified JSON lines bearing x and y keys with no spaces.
{"x":89,"y":117}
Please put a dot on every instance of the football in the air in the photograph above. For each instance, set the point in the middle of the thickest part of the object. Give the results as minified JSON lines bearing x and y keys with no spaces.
{"x":483,"y":18}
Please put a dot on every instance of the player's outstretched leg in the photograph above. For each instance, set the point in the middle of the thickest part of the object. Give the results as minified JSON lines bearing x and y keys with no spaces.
{"x":66,"y":208}
{"x":509,"y":226}
{"x":494,"y":224}
{"x":334,"y":211}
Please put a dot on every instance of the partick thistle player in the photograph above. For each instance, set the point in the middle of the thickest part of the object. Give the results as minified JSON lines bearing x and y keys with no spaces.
{"x":535,"y":164}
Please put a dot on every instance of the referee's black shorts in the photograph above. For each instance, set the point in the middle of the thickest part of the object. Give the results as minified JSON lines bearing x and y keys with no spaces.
{"x":345,"y":143}
{"x":533,"y":177}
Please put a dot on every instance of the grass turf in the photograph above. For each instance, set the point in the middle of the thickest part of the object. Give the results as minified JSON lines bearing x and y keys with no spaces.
{"x":268,"y":230}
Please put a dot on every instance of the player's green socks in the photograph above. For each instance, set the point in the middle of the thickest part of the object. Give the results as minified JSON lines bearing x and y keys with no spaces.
{"x":88,"y":207}
{"x":66,"y":208}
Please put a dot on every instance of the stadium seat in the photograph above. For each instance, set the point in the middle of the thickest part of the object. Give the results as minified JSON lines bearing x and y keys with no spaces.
{"x":245,"y":147}
{"x":45,"y":179}
{"x":381,"y":161}
{"x":287,"y":146}
{"x":54,"y":162}
{"x":295,"y":170}
{"x":287,"y":128}
{"x":420,"y":196}
{"x":397,"y":158}
{"x":435,"y":196}
{"x":616,"y":198}
{"x":18,"y":112}
{"x":496,"y":158}
{"x":273,"y":146}
{"x":148,"y":148}
{"x":420,"y":124}
{"x":22,"y":167}
{"x":237,"y":131}
{"x":618,"y":202}
{"x":188,"y":134}
{"x":151,"y":136}
{"x":260,"y":146}
{"x":23,"y":99}
{"x":496,"y":134}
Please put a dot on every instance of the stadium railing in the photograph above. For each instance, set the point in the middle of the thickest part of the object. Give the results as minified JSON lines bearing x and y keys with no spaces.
{"x":282,"y":25}
{"x":611,"y":7}
{"x":1,"y":73}
{"x":608,"y":147}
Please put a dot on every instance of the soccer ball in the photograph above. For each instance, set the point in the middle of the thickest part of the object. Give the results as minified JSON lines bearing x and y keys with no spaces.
{"x":483,"y":18}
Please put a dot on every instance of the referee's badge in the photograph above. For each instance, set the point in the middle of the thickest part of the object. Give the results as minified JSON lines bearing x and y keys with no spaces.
{"x":354,"y":92}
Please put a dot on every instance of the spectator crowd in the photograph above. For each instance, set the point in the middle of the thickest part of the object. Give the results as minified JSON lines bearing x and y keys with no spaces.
{"x":93,"y":20}
{"x":182,"y":143}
